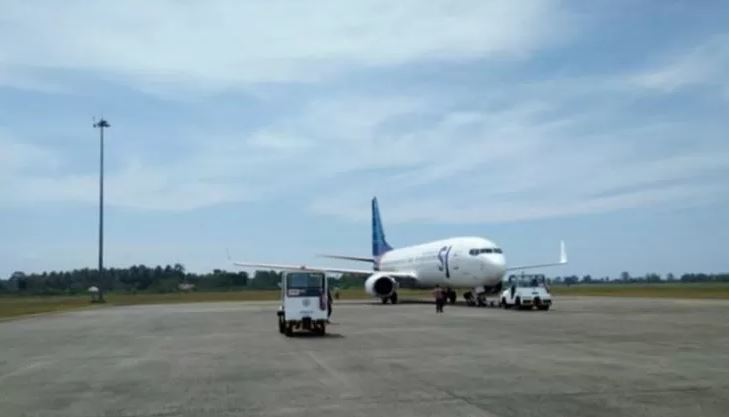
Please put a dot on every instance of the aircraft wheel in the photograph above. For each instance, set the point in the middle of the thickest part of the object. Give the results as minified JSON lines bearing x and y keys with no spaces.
{"x":394,"y":298}
{"x":384,"y":300}
{"x":469,"y":298}
{"x":452,"y":296}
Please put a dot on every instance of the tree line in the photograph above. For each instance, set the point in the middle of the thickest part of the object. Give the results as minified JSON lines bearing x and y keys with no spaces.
{"x":171,"y":278}
{"x":626,"y":278}
{"x":137,"y":278}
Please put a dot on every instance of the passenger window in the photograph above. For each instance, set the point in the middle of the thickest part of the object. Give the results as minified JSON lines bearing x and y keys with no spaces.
{"x":474,"y":252}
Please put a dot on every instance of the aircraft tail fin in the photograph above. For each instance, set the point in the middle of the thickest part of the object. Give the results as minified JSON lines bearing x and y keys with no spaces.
{"x":380,"y":246}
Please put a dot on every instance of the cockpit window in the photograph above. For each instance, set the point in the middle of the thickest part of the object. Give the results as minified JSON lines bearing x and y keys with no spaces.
{"x":475,"y":252}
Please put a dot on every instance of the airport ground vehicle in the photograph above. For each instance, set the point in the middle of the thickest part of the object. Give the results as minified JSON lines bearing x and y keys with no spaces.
{"x":525,"y":292}
{"x":304,"y":302}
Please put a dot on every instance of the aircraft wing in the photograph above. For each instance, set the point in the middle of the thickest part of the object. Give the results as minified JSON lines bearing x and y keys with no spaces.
{"x":348,"y":257}
{"x":286,"y":267}
{"x":562,"y":261}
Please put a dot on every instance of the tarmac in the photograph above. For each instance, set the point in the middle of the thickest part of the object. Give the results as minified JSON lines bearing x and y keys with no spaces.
{"x":585,"y":357}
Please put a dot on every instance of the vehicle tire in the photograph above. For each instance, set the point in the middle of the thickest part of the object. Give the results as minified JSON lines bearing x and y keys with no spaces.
{"x":504,"y":304}
{"x":544,"y":307}
{"x":394,"y":298}
{"x":282,"y":326}
{"x":321,"y":330}
{"x":518,"y":303}
{"x":289,"y":331}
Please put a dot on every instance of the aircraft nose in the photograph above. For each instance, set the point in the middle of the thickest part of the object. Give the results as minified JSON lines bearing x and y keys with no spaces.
{"x":500,"y":263}
{"x":495,"y":264}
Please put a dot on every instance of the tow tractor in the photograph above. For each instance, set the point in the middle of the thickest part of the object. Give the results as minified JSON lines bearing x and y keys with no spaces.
{"x":304,"y":302}
{"x":525,"y":292}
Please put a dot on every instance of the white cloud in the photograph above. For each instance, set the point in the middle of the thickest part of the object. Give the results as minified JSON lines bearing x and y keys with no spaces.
{"x":31,"y":174}
{"x":516,"y":166}
{"x":17,"y":156}
{"x":222,"y":44}
{"x":706,"y":63}
{"x":509,"y":153}
{"x":478,"y":165}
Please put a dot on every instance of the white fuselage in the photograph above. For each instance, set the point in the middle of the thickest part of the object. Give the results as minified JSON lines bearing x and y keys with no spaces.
{"x":461,"y":262}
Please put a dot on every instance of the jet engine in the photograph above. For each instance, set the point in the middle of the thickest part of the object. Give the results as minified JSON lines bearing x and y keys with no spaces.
{"x":381,"y":286}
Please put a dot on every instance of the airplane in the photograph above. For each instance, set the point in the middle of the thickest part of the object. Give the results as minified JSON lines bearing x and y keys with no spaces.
{"x":472,"y":263}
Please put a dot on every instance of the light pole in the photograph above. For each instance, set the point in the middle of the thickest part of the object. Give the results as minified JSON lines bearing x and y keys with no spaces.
{"x":101,"y":124}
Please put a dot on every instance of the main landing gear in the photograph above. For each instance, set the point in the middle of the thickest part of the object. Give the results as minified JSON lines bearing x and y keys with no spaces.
{"x":393,"y":298}
{"x":451,"y":296}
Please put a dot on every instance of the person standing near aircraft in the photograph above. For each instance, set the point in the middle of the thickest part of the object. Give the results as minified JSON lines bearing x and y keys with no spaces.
{"x":439,"y":298}
{"x":329,"y":304}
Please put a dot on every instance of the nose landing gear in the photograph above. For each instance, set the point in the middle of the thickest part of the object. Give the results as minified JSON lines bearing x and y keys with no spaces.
{"x":474,"y":298}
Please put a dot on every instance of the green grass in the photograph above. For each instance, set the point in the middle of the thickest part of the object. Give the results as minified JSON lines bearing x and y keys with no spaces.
{"x":695,"y":290}
{"x":16,"y":306}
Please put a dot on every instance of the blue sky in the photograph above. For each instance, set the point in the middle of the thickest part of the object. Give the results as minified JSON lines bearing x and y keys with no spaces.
{"x":265,"y":128}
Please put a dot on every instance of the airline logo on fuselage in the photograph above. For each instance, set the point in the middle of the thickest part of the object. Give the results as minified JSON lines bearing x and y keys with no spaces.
{"x":443,"y":257}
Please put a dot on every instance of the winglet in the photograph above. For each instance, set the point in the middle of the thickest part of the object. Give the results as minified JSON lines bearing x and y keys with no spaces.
{"x":564,"y":259}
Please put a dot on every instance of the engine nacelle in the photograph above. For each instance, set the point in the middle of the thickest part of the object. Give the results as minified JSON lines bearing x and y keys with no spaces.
{"x":380,"y":286}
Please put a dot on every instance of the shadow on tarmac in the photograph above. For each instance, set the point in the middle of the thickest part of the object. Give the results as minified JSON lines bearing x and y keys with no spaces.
{"x":310,"y":335}
{"x":401,"y":301}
